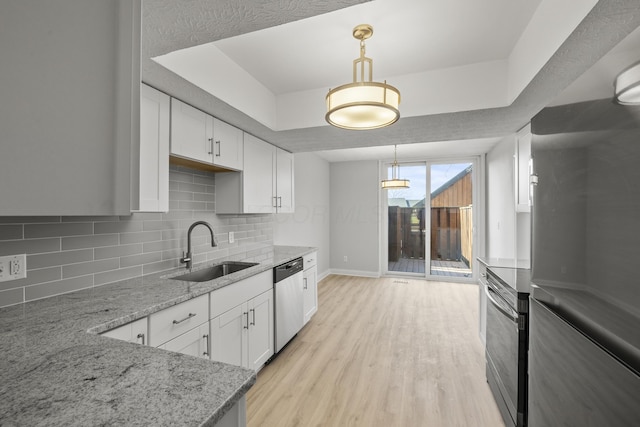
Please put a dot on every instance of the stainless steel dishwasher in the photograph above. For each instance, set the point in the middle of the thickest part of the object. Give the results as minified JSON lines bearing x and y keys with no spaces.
{"x":288,"y":302}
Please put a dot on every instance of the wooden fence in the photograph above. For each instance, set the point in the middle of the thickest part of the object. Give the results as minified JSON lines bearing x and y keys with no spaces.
{"x":451,"y":233}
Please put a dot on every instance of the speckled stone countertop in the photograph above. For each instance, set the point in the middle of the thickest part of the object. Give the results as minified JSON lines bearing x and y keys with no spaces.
{"x":55,"y":370}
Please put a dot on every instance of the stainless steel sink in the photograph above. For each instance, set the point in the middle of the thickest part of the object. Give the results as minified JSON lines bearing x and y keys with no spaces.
{"x":214,"y":271}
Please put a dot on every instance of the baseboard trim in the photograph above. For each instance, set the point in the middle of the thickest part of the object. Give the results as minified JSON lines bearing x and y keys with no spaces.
{"x":359,"y":273}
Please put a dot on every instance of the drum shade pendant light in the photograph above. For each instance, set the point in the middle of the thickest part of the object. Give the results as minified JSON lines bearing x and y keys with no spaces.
{"x":363,"y":104}
{"x":395,"y":181}
{"x":627,"y":86}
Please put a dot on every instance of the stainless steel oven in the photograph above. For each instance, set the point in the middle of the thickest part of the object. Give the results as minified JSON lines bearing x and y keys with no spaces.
{"x":507,"y":341}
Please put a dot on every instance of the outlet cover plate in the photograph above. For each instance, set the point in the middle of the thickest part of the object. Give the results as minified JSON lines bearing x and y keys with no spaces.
{"x":13,"y":267}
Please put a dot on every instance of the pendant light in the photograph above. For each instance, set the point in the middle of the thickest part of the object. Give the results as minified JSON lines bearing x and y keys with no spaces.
{"x":627,"y":86}
{"x":363,"y":104}
{"x":395,"y":181}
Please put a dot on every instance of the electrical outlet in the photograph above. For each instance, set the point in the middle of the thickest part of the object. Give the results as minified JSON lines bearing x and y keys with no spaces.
{"x":346,"y":259}
{"x":232,"y":238}
{"x":13,"y":267}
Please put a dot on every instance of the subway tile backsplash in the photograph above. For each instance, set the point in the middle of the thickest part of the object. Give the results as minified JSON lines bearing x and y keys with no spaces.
{"x":70,"y":253}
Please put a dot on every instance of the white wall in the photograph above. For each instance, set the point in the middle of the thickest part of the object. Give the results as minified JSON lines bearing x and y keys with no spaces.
{"x":355,"y":216}
{"x":310,"y":224}
{"x":500,"y":202}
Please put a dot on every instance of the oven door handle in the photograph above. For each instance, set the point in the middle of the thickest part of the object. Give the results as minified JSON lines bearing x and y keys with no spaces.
{"x":488,"y":291}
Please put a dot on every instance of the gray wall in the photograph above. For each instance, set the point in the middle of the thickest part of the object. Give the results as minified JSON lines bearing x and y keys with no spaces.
{"x":70,"y":253}
{"x":355,"y":217}
{"x":310,"y":224}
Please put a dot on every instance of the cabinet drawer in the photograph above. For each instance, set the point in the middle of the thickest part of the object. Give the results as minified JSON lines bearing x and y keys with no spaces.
{"x":224,"y":299}
{"x":310,"y":260}
{"x":171,"y":322}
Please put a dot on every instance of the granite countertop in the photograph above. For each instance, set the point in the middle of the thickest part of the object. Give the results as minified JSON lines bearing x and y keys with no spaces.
{"x":56,"y":370}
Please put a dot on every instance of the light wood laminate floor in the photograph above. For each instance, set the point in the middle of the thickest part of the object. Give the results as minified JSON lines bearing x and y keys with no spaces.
{"x":380,"y":352}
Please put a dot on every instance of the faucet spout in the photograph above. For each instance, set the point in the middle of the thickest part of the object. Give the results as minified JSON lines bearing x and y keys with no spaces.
{"x":186,"y":257}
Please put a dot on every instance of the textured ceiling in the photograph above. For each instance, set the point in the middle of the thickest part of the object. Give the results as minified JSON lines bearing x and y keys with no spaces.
{"x":169,"y":25}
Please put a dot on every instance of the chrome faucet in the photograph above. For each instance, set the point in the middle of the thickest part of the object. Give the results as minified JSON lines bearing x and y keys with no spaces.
{"x":186,"y":258}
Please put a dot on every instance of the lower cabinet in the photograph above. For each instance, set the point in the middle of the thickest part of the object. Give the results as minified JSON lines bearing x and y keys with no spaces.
{"x":244,"y":335}
{"x":135,"y":332}
{"x":242,"y":330}
{"x":310,"y":286}
{"x":194,"y":342}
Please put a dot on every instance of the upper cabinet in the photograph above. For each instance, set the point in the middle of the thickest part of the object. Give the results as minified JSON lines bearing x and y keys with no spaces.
{"x":69,"y":116}
{"x":522,"y":172}
{"x":283,"y":190}
{"x":197,"y":136}
{"x":265,"y":186}
{"x":154,"y":150}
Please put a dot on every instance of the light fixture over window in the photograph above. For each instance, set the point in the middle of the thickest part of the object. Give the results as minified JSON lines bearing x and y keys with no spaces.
{"x":395,"y":181}
{"x":627,"y":86}
{"x":363,"y":104}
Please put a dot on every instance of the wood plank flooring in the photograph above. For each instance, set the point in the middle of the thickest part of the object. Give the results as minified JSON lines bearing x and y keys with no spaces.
{"x":380,"y":352}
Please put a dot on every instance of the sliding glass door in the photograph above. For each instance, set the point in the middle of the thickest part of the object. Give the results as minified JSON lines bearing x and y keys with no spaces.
{"x":451,"y":220}
{"x":430,"y":233}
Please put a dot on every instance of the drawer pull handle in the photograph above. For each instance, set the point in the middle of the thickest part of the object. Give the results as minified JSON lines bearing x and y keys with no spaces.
{"x":175,"y":322}
{"x":253,"y":312}
{"x":141,"y":335}
{"x":246,"y":313}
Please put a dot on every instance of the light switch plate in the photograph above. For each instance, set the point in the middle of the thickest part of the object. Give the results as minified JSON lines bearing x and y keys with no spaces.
{"x":13,"y":267}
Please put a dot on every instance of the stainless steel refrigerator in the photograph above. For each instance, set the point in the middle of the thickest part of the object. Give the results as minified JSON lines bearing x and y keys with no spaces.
{"x":584,"y":345}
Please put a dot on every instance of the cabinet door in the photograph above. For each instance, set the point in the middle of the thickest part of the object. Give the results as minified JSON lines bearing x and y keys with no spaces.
{"x":194,"y":342}
{"x":227,"y":145}
{"x":284,"y":181}
{"x":260,"y":340}
{"x":135,"y":332}
{"x":154,"y":150}
{"x":310,"y":286}
{"x":522,"y":170}
{"x":69,"y":122}
{"x":258,"y":176}
{"x":229,"y":336}
{"x":191,"y":132}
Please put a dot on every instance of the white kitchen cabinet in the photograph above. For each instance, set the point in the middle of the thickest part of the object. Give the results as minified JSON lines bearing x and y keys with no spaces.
{"x":154,"y":150}
{"x":522,"y":172}
{"x":198,"y":136}
{"x":242,"y":322}
{"x":228,"y":336}
{"x":260,"y":340}
{"x":69,"y":116}
{"x":134,"y":332}
{"x":310,"y":285}
{"x":243,"y":336}
{"x":191,"y":132}
{"x":227,"y":145}
{"x":265,"y":185}
{"x":171,"y":322}
{"x":283,"y":190}
{"x":194,"y":342}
